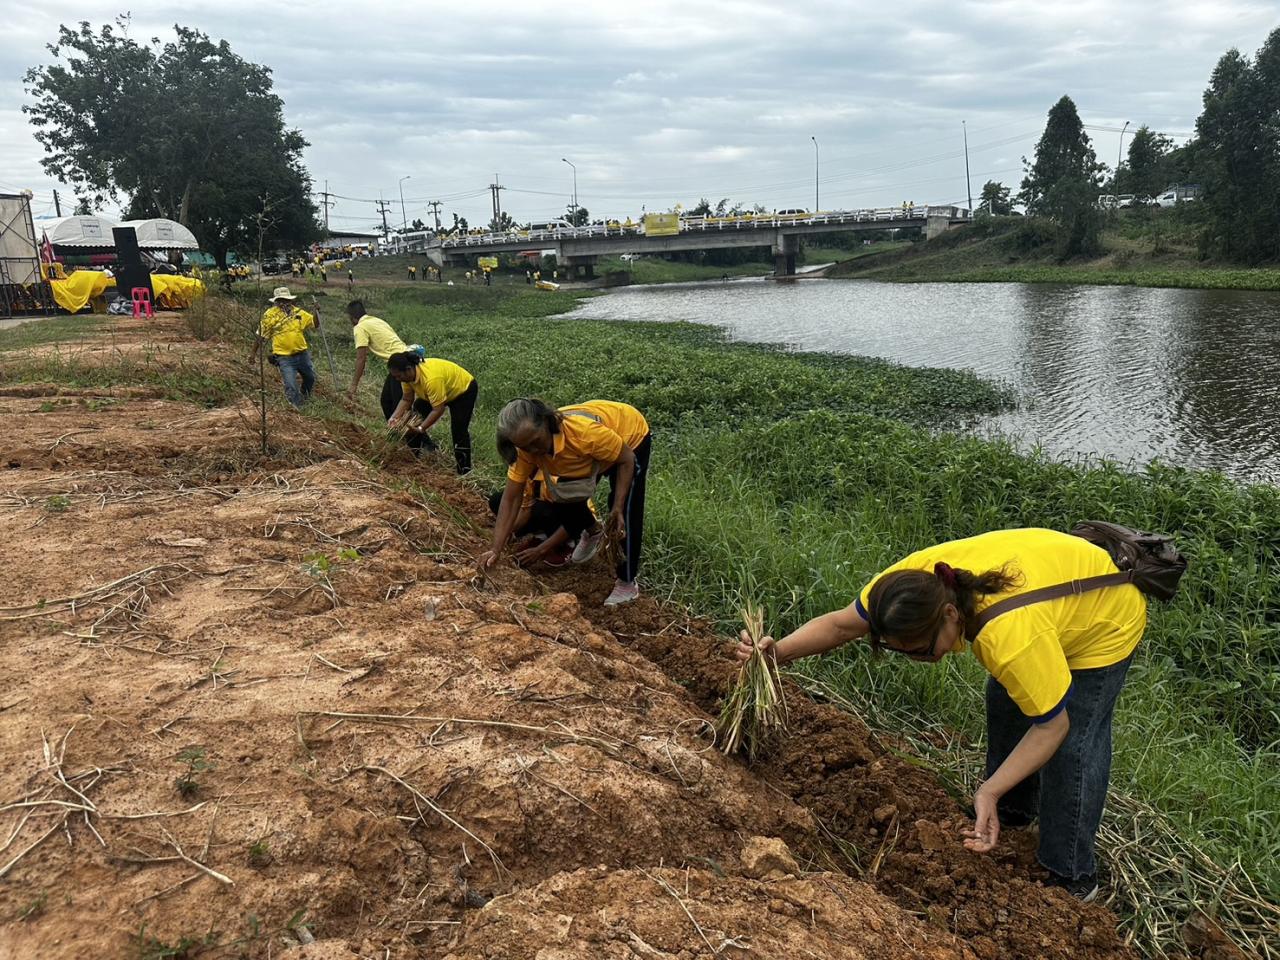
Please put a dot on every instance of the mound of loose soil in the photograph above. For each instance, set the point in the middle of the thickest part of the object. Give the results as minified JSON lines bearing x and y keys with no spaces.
{"x":251,"y":703}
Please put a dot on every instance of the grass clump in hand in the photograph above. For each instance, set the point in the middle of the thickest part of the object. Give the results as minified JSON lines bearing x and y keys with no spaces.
{"x":755,"y":712}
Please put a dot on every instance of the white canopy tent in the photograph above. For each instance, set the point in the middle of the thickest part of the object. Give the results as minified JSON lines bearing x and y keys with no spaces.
{"x":161,"y":234}
{"x":77,"y":231}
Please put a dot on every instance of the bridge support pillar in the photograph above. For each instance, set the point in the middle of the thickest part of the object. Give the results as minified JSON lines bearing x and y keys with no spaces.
{"x":785,"y":249}
{"x":579,"y":267}
{"x":936,"y":226}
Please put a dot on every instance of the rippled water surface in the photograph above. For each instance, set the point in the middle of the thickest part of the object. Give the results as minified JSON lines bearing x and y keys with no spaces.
{"x":1189,"y":376}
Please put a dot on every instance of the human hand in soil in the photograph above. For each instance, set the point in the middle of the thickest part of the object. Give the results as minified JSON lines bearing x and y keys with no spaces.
{"x":486,"y":560}
{"x":616,"y":525}
{"x":767,"y":645}
{"x":986,"y":823}
{"x":530,"y":555}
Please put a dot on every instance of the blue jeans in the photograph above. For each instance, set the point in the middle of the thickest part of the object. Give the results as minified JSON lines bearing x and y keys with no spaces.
{"x":1070,"y":790}
{"x":290,"y":367}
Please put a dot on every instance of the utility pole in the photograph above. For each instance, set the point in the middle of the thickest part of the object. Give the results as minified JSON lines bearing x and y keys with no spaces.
{"x":494,"y":188}
{"x":435,"y":208}
{"x":1115,"y":181}
{"x":382,"y":209}
{"x":816,"y":207}
{"x":57,"y":204}
{"x":327,"y":204}
{"x":574,"y":220}
{"x":969,"y":183}
{"x":404,"y":218}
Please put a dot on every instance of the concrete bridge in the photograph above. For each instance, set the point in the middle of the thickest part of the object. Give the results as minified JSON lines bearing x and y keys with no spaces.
{"x":578,"y":248}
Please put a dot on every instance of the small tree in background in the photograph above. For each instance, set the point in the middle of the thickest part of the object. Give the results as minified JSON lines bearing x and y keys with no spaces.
{"x":1062,"y":184}
{"x":995,"y":199}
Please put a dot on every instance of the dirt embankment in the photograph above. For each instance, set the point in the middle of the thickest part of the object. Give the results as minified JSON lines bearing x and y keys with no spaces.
{"x":250,"y":703}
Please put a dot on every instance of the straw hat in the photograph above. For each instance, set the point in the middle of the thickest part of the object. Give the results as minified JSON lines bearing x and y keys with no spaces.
{"x":282,"y":293}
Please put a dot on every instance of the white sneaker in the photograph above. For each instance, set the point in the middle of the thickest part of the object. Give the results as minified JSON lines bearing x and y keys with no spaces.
{"x":587,"y":546}
{"x":623,"y":592}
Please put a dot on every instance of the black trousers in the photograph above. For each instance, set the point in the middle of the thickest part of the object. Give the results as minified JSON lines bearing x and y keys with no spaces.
{"x":633,"y":510}
{"x":393,"y":393}
{"x":544,"y":517}
{"x":460,"y":410}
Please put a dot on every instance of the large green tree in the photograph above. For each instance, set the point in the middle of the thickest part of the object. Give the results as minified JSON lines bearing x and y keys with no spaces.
{"x":1148,"y":169}
{"x":1062,"y":183}
{"x":1239,"y":141}
{"x":184,"y":129}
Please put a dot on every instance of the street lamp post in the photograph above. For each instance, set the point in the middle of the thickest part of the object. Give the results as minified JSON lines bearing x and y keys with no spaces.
{"x":404,"y":219}
{"x":575,"y":189}
{"x":815,"y":174}
{"x":1120,"y":153}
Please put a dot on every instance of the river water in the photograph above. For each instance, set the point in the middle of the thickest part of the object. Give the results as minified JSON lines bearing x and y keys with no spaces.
{"x":1190,"y":377}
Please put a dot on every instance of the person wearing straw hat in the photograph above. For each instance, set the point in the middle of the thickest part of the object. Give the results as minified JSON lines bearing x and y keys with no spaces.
{"x":284,"y":323}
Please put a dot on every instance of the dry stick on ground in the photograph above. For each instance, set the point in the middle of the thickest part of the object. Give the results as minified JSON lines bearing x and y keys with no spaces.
{"x":676,"y":897}
{"x":504,"y":875}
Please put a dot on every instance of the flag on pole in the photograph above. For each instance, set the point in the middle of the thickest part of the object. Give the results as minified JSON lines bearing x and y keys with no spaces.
{"x":46,"y":249}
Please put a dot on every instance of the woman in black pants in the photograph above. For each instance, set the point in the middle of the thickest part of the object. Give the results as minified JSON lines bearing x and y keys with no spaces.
{"x":574,"y":446}
{"x":442,"y":385}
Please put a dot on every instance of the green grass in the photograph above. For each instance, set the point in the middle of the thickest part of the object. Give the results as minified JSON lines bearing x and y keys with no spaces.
{"x":58,"y":329}
{"x":657,"y":270}
{"x":1150,"y":250}
{"x":794,"y":478}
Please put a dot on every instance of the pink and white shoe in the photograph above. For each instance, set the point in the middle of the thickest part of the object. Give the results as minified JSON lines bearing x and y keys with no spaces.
{"x":623,"y":592}
{"x":588,"y":545}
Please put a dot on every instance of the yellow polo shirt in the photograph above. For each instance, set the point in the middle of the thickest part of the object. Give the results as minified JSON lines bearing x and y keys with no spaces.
{"x":583,"y":443}
{"x":438,"y":382}
{"x":285,"y":330}
{"x":376,"y":334}
{"x":1031,"y":651}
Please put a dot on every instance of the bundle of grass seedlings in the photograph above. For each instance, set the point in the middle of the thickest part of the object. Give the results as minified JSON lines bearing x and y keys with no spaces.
{"x":755,"y":712}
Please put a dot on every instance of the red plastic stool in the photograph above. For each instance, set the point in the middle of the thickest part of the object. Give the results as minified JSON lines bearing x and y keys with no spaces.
{"x":142,"y":301}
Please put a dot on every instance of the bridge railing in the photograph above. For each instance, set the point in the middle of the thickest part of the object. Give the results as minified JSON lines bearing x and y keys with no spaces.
{"x":745,"y":222}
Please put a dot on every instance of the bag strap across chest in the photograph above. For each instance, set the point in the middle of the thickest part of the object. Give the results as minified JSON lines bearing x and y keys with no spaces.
{"x":1044,"y":594}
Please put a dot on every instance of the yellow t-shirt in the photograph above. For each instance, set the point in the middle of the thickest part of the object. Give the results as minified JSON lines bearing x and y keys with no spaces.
{"x":438,"y":382}
{"x":376,"y":334}
{"x":583,"y":443}
{"x":285,"y":329}
{"x":1031,"y":651}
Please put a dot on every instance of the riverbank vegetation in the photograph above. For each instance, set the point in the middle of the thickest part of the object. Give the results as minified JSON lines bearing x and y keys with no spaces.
{"x":794,"y":478}
{"x":1150,"y":248}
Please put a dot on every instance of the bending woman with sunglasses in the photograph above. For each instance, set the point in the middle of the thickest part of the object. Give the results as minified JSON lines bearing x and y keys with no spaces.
{"x":1056,"y":668}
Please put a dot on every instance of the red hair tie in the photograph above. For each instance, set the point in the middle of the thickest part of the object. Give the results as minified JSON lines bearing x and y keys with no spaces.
{"x":944,"y":573}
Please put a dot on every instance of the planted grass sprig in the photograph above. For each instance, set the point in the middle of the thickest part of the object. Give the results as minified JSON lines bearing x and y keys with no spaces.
{"x":755,"y":712}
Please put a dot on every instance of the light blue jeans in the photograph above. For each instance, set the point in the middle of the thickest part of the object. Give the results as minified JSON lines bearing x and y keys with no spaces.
{"x":290,"y":368}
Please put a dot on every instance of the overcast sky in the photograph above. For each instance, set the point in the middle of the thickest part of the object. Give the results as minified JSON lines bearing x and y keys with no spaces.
{"x":665,"y":102}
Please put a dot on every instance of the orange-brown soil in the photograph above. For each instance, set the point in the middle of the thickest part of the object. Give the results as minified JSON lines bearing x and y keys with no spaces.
{"x":254,"y":702}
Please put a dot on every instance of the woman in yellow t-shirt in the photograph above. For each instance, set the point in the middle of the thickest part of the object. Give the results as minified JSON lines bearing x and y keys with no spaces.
{"x":1056,"y":668}
{"x":574,"y":446}
{"x":432,"y":386}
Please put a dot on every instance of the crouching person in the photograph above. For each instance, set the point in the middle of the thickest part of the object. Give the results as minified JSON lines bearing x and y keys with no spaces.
{"x":575,"y":446}
{"x":545,"y":531}
{"x":430,"y":387}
